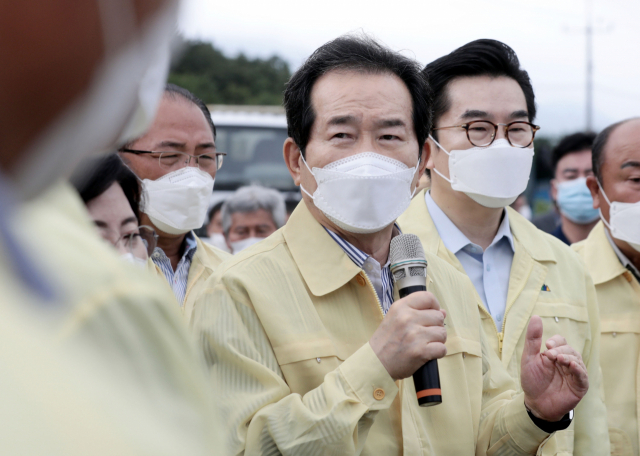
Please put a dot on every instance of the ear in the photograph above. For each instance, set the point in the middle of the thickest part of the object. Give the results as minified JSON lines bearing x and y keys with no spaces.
{"x":429,"y":146}
{"x":594,"y":188}
{"x":292,"y":158}
{"x":424,"y":158}
{"x":553,"y":190}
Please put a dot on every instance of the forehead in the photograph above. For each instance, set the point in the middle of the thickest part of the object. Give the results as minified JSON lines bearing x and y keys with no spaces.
{"x":177,"y":116}
{"x":624,"y":143}
{"x":498,"y":96}
{"x":363,"y":95}
{"x":579,"y":160}
{"x":110,"y":206}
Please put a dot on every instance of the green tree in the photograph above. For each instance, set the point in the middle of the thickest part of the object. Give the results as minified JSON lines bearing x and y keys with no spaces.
{"x":209,"y":74}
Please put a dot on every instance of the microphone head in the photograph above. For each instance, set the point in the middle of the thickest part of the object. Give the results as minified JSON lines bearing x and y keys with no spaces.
{"x":407,"y":259}
{"x":405,"y":247}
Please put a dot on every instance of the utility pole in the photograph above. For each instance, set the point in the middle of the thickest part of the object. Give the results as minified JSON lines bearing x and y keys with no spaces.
{"x":589,"y":69}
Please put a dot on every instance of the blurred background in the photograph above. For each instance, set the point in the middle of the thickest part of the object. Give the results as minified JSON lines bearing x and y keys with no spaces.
{"x":582,"y":57}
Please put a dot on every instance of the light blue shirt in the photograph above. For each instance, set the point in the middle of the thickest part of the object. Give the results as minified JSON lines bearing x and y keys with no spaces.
{"x":489,"y":270}
{"x":178,"y":278}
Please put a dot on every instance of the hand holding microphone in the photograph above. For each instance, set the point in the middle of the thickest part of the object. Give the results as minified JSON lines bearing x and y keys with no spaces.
{"x":412,"y":334}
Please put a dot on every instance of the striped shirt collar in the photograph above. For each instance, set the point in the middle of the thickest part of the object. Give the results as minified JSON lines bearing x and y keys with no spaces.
{"x":382,"y":281}
{"x":177,"y":279}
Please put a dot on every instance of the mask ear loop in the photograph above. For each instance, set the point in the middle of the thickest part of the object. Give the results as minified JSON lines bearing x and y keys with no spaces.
{"x":314,"y":176}
{"x":445,"y":151}
{"x":600,"y":210}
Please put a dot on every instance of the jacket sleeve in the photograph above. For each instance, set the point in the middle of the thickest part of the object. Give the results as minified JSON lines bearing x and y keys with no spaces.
{"x":262,"y":415}
{"x":591,"y":429}
{"x":505,"y":426}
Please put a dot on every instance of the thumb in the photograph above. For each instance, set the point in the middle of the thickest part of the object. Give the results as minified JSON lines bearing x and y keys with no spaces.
{"x":533,"y":342}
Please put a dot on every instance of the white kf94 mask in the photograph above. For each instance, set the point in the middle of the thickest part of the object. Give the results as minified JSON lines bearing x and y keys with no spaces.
{"x":492,"y":176}
{"x":363,"y":193}
{"x":624,"y":221}
{"x":177,"y":202}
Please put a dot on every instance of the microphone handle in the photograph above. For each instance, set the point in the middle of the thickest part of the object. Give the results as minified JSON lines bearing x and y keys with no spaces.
{"x":427,"y":377}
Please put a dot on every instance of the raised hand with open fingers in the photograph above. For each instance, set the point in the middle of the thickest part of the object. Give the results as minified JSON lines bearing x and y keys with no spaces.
{"x":555,"y":381}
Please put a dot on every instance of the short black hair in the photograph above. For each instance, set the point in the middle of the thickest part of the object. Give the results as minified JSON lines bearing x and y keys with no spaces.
{"x":213,"y":211}
{"x":577,"y":142}
{"x":174,"y":91}
{"x":482,"y":57}
{"x":599,"y":144}
{"x":94,"y":177}
{"x":361,"y":54}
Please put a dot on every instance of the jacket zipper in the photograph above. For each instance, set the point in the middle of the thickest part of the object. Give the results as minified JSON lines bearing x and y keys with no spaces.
{"x":375,"y":293}
{"x":499,"y":334}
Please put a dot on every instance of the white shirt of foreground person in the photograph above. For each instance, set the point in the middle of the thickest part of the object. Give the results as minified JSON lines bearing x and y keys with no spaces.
{"x":489,"y":269}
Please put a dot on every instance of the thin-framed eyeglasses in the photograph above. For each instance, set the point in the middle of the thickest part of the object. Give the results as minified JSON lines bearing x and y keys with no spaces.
{"x":144,"y":236}
{"x":172,"y":161}
{"x":482,"y":133}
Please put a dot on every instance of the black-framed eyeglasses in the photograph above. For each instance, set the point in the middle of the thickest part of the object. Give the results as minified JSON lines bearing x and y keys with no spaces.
{"x":144,"y":235}
{"x":482,"y":133}
{"x":172,"y":161}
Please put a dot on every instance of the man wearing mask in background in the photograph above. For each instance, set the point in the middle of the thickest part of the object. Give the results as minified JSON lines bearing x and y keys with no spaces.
{"x":302,"y":330}
{"x":612,"y":255}
{"x":481,"y":153}
{"x":177,"y":161}
{"x":94,"y":358}
{"x":251,"y":214}
{"x":571,"y":160}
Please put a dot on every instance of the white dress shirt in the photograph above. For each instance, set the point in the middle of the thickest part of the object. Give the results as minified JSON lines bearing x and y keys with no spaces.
{"x":488,"y":270}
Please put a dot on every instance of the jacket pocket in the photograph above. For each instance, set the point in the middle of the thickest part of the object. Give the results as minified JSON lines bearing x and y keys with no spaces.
{"x":620,"y":443}
{"x":304,"y":364}
{"x":571,"y":322}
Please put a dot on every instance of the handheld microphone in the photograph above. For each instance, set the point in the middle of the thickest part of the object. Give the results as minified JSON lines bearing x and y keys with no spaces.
{"x":409,"y":270}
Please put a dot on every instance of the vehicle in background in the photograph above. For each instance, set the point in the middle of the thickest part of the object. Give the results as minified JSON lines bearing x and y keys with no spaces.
{"x":252,"y":137}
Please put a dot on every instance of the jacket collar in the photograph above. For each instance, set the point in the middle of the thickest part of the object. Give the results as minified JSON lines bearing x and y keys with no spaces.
{"x":601,"y":260}
{"x":323,"y":264}
{"x":417,"y":220}
{"x":207,"y":255}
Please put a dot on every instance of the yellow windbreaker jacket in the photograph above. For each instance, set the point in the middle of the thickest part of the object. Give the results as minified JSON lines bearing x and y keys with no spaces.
{"x":285,"y":327}
{"x":549,"y":280}
{"x":125,"y":341}
{"x":619,"y":299}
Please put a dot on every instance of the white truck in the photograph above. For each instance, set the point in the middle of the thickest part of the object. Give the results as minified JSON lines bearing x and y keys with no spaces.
{"x":252,"y":137}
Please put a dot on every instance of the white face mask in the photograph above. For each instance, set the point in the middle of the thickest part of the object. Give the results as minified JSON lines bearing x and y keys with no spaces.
{"x":118,"y":106}
{"x":177,"y":202}
{"x":492,"y":176}
{"x":243,"y":244}
{"x":363,"y":193}
{"x":218,"y":240}
{"x":624,"y":221}
{"x":131,"y":258}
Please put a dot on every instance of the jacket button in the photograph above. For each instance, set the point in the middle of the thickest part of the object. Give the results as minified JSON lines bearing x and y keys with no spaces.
{"x":614,"y":334}
{"x":361,"y":280}
{"x":378,"y":394}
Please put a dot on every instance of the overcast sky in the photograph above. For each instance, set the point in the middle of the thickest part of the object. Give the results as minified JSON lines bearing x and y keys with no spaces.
{"x":548,"y":36}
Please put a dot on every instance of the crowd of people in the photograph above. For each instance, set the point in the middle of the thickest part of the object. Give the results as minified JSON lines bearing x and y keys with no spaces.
{"x":137,"y":319}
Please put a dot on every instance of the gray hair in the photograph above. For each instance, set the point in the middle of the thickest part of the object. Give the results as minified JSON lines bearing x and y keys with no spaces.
{"x":253,"y":198}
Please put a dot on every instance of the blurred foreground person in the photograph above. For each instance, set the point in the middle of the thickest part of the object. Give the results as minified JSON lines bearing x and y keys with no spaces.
{"x":301,"y":330}
{"x":111,"y":193}
{"x":177,"y":161}
{"x":94,"y":359}
{"x":571,"y":160}
{"x":612,"y":255}
{"x":480,"y":154}
{"x":251,"y":214}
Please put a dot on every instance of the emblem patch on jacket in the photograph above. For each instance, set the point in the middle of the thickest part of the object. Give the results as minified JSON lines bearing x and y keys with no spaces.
{"x":546,"y":288}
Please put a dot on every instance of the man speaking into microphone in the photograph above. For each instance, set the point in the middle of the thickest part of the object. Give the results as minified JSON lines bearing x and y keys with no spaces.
{"x":312,"y":352}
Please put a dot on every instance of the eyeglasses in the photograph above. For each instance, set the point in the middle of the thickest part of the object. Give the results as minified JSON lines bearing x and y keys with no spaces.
{"x":145,"y":237}
{"x":482,"y":133}
{"x":172,"y":161}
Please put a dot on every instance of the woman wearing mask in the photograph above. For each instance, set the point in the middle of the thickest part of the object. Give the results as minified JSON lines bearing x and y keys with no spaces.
{"x":112,"y":195}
